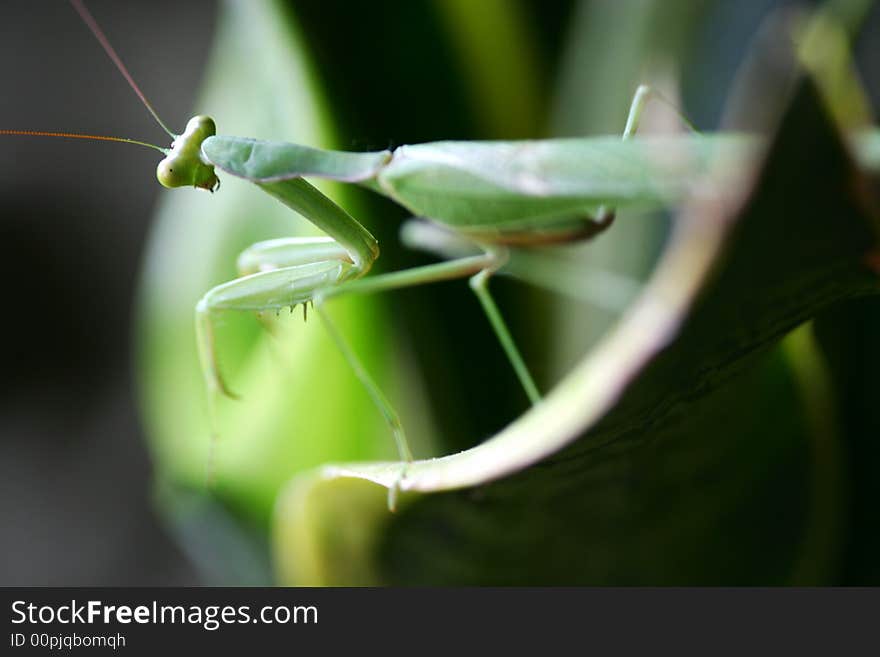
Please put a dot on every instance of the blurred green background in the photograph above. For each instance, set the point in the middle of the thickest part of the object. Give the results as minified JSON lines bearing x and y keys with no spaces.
{"x":88,"y":453}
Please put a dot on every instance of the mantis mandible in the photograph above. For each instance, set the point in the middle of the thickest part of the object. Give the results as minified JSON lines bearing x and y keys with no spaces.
{"x":483,"y":198}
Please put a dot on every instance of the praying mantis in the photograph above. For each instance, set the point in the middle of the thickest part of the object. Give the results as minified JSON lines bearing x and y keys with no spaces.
{"x":489,"y":197}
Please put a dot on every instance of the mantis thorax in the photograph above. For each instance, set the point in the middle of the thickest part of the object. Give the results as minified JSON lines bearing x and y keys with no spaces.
{"x":184,"y":166}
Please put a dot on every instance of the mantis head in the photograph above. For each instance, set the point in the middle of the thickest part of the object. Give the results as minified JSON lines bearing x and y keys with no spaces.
{"x":183,"y":165}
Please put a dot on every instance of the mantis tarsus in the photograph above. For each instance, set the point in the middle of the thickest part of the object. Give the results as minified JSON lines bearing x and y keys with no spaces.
{"x":493,"y":196}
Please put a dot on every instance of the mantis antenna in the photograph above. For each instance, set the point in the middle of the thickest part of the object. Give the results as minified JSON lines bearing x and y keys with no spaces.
{"x":92,"y":24}
{"x":76,"y":135}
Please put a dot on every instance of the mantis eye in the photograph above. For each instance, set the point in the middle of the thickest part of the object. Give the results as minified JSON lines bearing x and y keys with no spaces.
{"x":170,"y":175}
{"x":184,"y":166}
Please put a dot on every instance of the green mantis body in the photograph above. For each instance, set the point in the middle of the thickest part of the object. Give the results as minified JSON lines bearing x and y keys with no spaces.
{"x":493,"y":195}
{"x":489,"y":196}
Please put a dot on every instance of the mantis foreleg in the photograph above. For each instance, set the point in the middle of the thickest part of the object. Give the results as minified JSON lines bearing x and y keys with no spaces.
{"x":287,"y":272}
